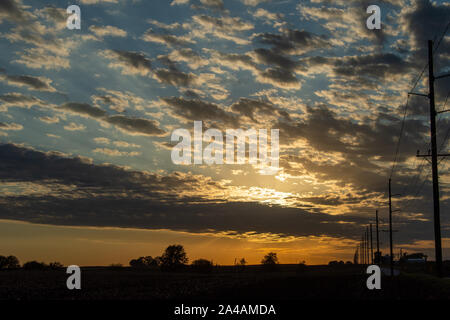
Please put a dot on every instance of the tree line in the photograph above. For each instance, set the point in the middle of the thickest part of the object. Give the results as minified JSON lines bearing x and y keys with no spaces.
{"x":174,"y":258}
{"x":11,"y":262}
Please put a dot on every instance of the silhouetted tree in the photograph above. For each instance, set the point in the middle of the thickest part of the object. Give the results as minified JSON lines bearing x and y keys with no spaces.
{"x":9,"y":262}
{"x":202,"y":265}
{"x":270,"y":258}
{"x":55,"y":265}
{"x":144,"y":262}
{"x":270,"y":261}
{"x":34,"y":265}
{"x":301,"y":267}
{"x":174,"y":258}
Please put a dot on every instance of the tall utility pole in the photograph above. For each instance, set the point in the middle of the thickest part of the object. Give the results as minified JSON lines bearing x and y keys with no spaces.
{"x":390,"y":230}
{"x":434,"y":156}
{"x":371,"y":245}
{"x":434,"y":166}
{"x":378,"y":241}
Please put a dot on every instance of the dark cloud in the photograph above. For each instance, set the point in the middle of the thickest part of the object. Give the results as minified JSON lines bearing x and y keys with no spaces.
{"x":293,"y":41}
{"x":196,"y":110}
{"x":135,"y":126}
{"x":273,"y":58}
{"x":215,"y":4}
{"x":358,"y":143}
{"x":11,"y":10}
{"x":164,"y":38}
{"x":137,"y":60}
{"x":83,"y":109}
{"x":250,"y":107}
{"x":15,"y":99}
{"x":105,"y":195}
{"x":367,"y":71}
{"x":175,"y":77}
{"x":34,"y":83}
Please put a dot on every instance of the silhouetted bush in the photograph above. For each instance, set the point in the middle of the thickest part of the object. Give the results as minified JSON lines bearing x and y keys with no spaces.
{"x":174,"y":258}
{"x":145,"y":262}
{"x":9,"y":262}
{"x":55,"y":265}
{"x":270,"y":261}
{"x":202,"y":266}
{"x":34,"y":265}
{"x":240,"y":266}
{"x":301,"y":267}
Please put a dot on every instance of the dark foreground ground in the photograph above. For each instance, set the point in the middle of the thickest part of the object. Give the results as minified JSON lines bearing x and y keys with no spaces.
{"x":288,"y":283}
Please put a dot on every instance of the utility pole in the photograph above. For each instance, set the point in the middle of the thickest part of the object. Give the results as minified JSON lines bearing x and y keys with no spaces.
{"x":365,"y":249}
{"x":434,"y":166}
{"x":368,"y":245}
{"x":390,"y":230}
{"x":378,"y":241}
{"x":371,"y":245}
{"x":434,"y":156}
{"x":361,"y":258}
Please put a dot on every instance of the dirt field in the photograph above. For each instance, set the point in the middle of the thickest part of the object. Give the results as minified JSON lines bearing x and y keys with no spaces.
{"x":224,"y":283}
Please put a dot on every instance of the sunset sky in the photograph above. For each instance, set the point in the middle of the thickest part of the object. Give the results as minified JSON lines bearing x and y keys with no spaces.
{"x":86,"y":117}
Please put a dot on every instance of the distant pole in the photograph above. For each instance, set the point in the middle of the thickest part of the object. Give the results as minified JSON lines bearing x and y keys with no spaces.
{"x":361,"y":253}
{"x":378,"y":241}
{"x":371,"y":245}
{"x":367,"y":246}
{"x":364,"y":250}
{"x":434,"y":165}
{"x":390,"y":230}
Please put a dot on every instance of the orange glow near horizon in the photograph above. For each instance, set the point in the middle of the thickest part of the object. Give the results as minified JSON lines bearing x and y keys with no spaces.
{"x":91,"y":246}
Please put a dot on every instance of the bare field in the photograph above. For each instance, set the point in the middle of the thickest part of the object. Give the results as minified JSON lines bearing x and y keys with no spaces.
{"x":104,"y":283}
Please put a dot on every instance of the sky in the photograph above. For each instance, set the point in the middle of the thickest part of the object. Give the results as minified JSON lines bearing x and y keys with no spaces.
{"x":86,"y":118}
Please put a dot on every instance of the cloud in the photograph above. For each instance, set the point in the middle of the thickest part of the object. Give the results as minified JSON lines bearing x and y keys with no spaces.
{"x":129,"y":125}
{"x":166,"y":39}
{"x":251,"y":108}
{"x":179,"y":2}
{"x":194,"y":110}
{"x":254,"y":3}
{"x":218,"y":4}
{"x":98,"y":1}
{"x":33,"y":83}
{"x":102,"y":140}
{"x":175,"y":77}
{"x":130,"y":62}
{"x":10,"y":126}
{"x":135,"y":126}
{"x":116,"y":153}
{"x":157,"y":201}
{"x":37,"y":58}
{"x":107,"y":31}
{"x":49,"y":120}
{"x":291,"y":41}
{"x":12,"y":10}
{"x":192,"y":58}
{"x":74,"y":127}
{"x":15,"y":99}
{"x":83,"y":109}
{"x":226,"y":27}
